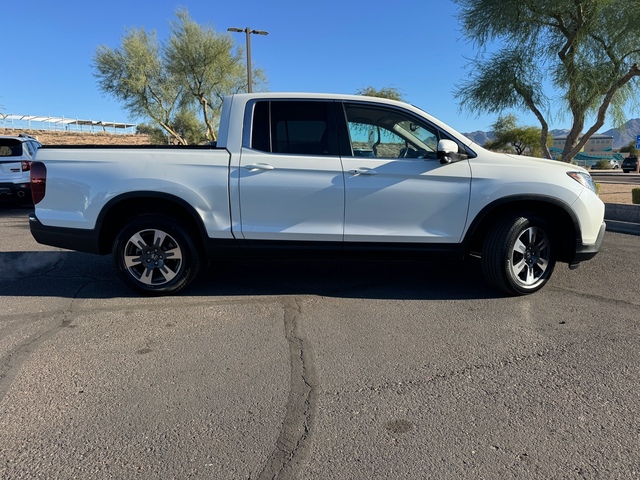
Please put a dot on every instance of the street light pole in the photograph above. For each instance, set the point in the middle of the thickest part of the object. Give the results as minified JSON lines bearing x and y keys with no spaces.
{"x":248,"y":33}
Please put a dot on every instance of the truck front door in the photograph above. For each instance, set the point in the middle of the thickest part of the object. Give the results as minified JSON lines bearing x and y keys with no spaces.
{"x":396,"y":189}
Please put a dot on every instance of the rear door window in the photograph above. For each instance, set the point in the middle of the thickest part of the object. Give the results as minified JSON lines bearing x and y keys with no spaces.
{"x":294,"y":127}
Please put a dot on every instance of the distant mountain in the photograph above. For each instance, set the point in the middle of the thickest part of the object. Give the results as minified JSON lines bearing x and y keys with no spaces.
{"x":626,"y":134}
{"x":621,"y":137}
{"x":480,"y":137}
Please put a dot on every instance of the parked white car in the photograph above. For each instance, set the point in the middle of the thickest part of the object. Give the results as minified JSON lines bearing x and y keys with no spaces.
{"x":296,"y":174}
{"x":16,"y":154}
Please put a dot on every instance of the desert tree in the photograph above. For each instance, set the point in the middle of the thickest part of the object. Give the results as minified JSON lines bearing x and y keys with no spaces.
{"x":509,"y":135}
{"x":207,"y":65}
{"x":156,"y":134}
{"x":187,"y":123}
{"x":135,"y":74}
{"x":585,"y":52}
{"x":630,"y":148}
{"x":391,"y":93}
{"x":162,"y":82}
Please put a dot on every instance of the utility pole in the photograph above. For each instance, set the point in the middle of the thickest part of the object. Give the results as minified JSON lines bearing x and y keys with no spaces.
{"x":248,"y":32}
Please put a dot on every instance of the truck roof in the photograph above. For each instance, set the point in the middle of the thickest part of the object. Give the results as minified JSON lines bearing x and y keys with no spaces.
{"x":245,"y":97}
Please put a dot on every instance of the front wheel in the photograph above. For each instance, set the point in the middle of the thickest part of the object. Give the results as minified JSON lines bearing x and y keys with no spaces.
{"x":155,"y":255}
{"x":518,"y":255}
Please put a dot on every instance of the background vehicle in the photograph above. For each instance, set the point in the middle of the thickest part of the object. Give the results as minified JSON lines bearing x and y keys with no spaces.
{"x":605,"y":164}
{"x":630,"y":164}
{"x":306,"y":174}
{"x":16,"y":154}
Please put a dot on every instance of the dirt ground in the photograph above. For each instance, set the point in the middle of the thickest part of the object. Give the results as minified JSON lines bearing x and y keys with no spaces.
{"x":616,"y":192}
{"x":54,"y":137}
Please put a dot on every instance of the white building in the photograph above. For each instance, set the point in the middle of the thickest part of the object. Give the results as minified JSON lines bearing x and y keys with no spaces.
{"x":598,"y":147}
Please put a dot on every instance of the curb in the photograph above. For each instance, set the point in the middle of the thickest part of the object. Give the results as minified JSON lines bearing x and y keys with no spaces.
{"x":622,"y":218}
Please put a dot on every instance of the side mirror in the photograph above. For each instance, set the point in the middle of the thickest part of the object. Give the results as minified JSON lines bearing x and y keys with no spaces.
{"x":448,"y":152}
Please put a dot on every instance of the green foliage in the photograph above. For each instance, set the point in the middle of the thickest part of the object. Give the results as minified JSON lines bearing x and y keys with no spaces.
{"x":207,"y":66}
{"x":195,"y":68}
{"x":508,"y":135}
{"x":603,"y":165}
{"x":185,"y":123}
{"x":157,"y":135}
{"x":635,"y":195}
{"x":587,"y":51}
{"x":144,"y":129}
{"x":391,"y":93}
{"x":135,"y":75}
{"x":630,"y":148}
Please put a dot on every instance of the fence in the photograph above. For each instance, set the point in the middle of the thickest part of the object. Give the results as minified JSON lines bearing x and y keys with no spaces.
{"x":32,"y":122}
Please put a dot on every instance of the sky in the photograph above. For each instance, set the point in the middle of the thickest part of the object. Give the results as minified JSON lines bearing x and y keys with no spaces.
{"x":333,"y":46}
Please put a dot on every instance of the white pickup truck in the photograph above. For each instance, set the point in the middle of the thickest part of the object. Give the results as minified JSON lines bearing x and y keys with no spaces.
{"x":299,"y":174}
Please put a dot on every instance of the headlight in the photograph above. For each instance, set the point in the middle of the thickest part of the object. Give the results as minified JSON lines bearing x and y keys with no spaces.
{"x":583,"y":179}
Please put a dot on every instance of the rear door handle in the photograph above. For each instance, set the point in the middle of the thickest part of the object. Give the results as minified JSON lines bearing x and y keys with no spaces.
{"x":363,"y":171}
{"x":259,"y":166}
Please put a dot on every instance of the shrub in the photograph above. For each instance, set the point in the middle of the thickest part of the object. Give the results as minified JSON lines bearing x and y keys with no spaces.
{"x":635,"y":196}
{"x":597,"y":188}
{"x":603,"y":165}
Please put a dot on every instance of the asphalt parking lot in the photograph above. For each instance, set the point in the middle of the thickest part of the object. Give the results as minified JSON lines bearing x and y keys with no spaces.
{"x":316,"y":370}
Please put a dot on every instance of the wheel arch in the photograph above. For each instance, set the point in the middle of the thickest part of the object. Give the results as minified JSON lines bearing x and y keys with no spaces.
{"x":563,"y":221}
{"x":121,"y":209}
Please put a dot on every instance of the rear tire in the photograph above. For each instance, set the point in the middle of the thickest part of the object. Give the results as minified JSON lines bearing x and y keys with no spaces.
{"x":155,"y":255}
{"x":518,"y":254}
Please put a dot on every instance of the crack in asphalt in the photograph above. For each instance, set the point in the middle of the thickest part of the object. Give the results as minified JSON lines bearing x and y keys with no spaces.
{"x":11,"y":362}
{"x":14,"y":359}
{"x":601,"y":297}
{"x":291,"y":446}
{"x":403,"y":386}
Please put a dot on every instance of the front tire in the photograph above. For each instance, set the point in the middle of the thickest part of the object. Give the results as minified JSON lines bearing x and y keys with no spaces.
{"x":518,"y":255}
{"x":155,"y":255}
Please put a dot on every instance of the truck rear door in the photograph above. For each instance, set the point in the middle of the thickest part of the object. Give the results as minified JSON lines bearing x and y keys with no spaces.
{"x":290,"y":177}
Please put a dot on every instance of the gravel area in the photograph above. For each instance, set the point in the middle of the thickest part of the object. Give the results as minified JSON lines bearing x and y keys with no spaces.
{"x":616,"y":192}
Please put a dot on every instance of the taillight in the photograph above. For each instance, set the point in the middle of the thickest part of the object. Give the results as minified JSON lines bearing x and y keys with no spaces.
{"x":26,"y":166}
{"x":38,"y":181}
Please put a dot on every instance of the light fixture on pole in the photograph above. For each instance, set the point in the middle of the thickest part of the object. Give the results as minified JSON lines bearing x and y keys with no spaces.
{"x":248,"y":31}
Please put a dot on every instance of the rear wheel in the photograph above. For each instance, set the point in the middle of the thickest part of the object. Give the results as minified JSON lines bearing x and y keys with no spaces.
{"x":518,"y":254}
{"x":155,"y":255}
